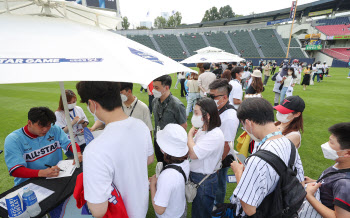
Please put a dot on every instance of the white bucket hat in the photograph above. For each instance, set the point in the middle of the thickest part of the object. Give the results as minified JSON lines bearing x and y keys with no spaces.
{"x":173,"y":140}
{"x":257,"y":73}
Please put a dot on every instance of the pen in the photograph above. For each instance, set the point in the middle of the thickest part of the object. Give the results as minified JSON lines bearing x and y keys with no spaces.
{"x":51,"y":166}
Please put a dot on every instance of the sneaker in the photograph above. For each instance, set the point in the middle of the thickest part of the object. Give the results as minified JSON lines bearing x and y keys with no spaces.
{"x":348,"y":77}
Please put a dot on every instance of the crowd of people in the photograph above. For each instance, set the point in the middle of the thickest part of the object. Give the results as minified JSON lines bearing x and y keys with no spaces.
{"x":117,"y":160}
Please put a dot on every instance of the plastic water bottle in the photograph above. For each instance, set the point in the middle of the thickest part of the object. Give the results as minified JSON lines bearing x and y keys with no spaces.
{"x":31,"y":202}
{"x":15,"y":206}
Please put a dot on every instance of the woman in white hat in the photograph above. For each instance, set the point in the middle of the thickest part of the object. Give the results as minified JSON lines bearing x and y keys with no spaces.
{"x":168,"y":190}
{"x":256,"y":86}
{"x":206,"y":145}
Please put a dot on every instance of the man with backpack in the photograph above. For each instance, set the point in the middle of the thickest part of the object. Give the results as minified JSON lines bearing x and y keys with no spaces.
{"x":332,"y":197}
{"x":219,"y":92}
{"x":261,"y":184}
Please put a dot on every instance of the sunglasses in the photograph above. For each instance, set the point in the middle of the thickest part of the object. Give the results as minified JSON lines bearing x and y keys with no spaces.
{"x":213,"y":96}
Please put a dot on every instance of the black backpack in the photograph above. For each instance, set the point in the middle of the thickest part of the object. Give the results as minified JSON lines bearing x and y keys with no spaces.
{"x":289,"y":194}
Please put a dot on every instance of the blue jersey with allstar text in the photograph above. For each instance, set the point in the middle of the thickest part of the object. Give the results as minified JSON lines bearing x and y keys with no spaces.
{"x":24,"y":150}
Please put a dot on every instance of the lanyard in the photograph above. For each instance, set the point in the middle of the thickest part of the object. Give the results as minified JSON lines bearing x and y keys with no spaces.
{"x":73,"y":115}
{"x":269,"y":136}
{"x":133,"y":108}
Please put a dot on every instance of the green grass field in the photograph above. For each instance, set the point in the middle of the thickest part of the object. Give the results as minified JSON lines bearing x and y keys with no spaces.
{"x":327,"y":103}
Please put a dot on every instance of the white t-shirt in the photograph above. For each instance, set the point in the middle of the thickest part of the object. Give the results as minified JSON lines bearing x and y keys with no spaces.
{"x":246,"y":75}
{"x":250,"y":81}
{"x":77,"y":128}
{"x":209,"y":149}
{"x":171,"y":191}
{"x":229,"y":124}
{"x":118,"y":157}
{"x":236,"y":92}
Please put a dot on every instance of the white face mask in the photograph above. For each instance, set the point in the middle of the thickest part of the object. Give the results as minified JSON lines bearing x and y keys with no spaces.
{"x":123,"y":97}
{"x":71,"y":106}
{"x":93,"y":114}
{"x":216,"y":102}
{"x":283,"y":118}
{"x":290,"y":73}
{"x":197,"y":121}
{"x":329,"y":153}
{"x":157,"y":94}
{"x":252,"y":136}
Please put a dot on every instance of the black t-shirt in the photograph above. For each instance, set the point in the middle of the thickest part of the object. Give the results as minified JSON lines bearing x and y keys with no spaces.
{"x":335,"y":189}
{"x":251,"y":90}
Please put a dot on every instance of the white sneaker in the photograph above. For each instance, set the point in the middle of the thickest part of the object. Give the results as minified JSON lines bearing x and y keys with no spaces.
{"x":348,"y":77}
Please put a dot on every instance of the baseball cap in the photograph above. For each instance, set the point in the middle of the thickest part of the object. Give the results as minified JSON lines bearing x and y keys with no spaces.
{"x":256,"y":73}
{"x":291,"y":104}
{"x":173,"y":140}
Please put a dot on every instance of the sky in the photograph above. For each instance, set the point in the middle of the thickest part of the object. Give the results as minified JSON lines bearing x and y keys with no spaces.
{"x":193,"y":10}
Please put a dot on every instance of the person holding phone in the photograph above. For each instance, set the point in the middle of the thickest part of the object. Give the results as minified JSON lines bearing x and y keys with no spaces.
{"x":77,"y":116}
{"x":288,"y":81}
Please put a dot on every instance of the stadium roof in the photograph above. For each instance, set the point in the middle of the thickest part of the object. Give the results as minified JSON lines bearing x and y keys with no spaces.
{"x":302,"y":10}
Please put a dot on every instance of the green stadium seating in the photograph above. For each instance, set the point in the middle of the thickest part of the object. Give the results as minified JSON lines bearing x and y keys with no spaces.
{"x":269,"y":43}
{"x":143,"y":39}
{"x":296,"y":53}
{"x":170,"y":46}
{"x":193,"y":42}
{"x":219,"y":40}
{"x":293,"y":42}
{"x":244,"y":44}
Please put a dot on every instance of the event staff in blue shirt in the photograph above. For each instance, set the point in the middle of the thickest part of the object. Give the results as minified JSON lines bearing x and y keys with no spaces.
{"x":31,"y":148}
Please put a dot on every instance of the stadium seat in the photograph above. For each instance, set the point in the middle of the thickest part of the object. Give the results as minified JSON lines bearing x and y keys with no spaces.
{"x":333,"y":21}
{"x":244,"y":44}
{"x":170,"y":46}
{"x":142,"y":39}
{"x":193,"y":42}
{"x":333,"y":30}
{"x":342,"y":54}
{"x":293,"y":42}
{"x":219,"y":40}
{"x":269,"y":43}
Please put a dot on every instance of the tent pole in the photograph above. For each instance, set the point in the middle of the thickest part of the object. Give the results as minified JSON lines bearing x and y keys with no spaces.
{"x":69,"y":124}
{"x":7,"y":6}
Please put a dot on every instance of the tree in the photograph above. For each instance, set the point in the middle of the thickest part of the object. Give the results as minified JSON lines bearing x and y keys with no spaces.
{"x":125,"y":23}
{"x":226,"y":12}
{"x":160,"y":22}
{"x":211,"y":14}
{"x":142,"y":28}
{"x":174,"y":20}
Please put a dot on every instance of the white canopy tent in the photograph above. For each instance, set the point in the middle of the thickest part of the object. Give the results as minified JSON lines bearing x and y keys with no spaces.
{"x":209,"y":49}
{"x":212,"y":55}
{"x":62,"y":9}
{"x":47,"y":49}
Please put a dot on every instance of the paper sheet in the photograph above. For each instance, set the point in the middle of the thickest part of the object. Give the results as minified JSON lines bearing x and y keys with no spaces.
{"x":67,"y":167}
{"x":40,"y":192}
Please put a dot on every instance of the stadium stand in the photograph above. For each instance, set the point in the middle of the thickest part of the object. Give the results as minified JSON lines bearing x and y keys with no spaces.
{"x":193,"y":42}
{"x":296,"y":53}
{"x":342,"y":54}
{"x":333,"y":30}
{"x":244,"y":43}
{"x":293,"y":43}
{"x":142,"y":39}
{"x":334,"y":21}
{"x":269,"y":43}
{"x":170,"y":46}
{"x":219,"y":40}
